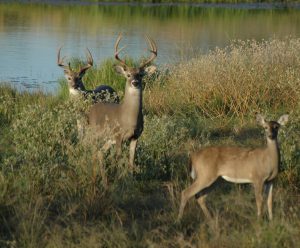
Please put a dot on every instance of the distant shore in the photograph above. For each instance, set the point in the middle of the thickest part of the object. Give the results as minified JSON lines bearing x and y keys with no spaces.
{"x":248,"y":4}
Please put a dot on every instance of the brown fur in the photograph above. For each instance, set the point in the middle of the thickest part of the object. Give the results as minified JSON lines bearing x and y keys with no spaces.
{"x":258,"y":166}
{"x":124,"y":120}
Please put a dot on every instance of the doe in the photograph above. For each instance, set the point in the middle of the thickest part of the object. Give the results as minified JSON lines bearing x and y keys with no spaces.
{"x":125,"y":120}
{"x":258,"y":166}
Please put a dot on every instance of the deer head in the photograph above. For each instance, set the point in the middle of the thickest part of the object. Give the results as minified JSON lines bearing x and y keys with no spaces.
{"x":134,"y":75}
{"x":271,"y":127}
{"x":74,"y":78}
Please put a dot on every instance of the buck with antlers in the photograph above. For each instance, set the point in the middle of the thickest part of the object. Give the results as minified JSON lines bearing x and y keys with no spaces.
{"x":76,"y":86}
{"x":125,"y":120}
{"x":258,"y":166}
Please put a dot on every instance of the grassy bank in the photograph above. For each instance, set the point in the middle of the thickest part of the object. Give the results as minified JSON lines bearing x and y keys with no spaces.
{"x":170,"y":1}
{"x":200,"y":1}
{"x":59,"y":191}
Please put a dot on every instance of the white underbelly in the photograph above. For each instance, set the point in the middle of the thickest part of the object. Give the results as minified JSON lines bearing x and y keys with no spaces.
{"x":236,"y":180}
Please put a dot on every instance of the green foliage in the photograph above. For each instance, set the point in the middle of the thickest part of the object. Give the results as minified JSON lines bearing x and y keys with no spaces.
{"x":180,"y":1}
{"x":290,"y":149}
{"x":52,"y":171}
{"x":158,"y":150}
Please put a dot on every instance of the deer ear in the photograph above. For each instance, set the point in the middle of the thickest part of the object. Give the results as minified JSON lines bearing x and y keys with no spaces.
{"x":283,"y":120}
{"x":120,"y":69}
{"x":82,"y":73}
{"x":150,"y":69}
{"x":260,"y":119}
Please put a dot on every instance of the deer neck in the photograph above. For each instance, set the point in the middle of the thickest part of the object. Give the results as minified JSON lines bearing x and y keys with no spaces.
{"x":77,"y":90}
{"x":132,"y":104}
{"x":273,"y":153}
{"x":74,"y":92}
{"x":272,"y":146}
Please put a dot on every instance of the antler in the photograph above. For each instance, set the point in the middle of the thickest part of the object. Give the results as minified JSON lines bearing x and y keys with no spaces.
{"x":153,"y":50}
{"x":118,"y":51}
{"x":90,"y":61}
{"x":60,"y":62}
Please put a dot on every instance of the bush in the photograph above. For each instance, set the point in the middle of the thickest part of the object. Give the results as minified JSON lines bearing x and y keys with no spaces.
{"x":289,"y":139}
{"x":55,"y":174}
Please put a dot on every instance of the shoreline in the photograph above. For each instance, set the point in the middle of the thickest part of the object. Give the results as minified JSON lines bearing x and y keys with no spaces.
{"x":201,"y":4}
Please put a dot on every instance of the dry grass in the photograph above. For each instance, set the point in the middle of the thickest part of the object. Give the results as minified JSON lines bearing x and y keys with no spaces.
{"x":239,"y":80}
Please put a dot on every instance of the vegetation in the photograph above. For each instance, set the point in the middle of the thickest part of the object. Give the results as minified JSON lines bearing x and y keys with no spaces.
{"x":173,"y":1}
{"x":152,"y":16}
{"x":57,"y":190}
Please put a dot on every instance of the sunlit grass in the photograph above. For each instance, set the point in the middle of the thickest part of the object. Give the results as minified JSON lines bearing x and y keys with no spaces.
{"x":244,"y":78}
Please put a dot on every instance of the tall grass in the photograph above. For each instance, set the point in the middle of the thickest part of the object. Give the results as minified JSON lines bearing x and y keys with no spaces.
{"x":57,"y":190}
{"x":245,"y":77}
{"x":185,"y":1}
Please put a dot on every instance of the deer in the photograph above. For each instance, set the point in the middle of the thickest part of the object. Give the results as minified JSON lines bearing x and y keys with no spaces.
{"x":76,"y":86}
{"x":258,"y":166}
{"x":125,"y":120}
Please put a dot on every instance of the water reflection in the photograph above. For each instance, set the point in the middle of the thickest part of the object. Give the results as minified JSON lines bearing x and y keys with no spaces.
{"x":31,"y":34}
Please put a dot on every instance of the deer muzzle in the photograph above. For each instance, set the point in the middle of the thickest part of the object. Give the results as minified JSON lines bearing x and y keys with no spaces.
{"x":135,"y":83}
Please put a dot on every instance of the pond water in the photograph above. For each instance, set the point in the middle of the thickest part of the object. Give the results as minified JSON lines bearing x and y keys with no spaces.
{"x":30,"y":34}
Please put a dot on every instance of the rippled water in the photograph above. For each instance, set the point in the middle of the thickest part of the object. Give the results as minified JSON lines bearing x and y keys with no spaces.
{"x":30,"y":34}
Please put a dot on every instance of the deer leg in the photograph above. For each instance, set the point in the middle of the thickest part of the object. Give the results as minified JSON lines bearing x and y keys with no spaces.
{"x":132,"y":148}
{"x":189,"y":192}
{"x":258,"y":188}
{"x":269,"y":189}
{"x":201,"y":202}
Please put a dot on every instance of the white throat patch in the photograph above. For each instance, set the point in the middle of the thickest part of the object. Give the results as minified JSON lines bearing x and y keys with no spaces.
{"x":74,"y":92}
{"x":133,"y":90}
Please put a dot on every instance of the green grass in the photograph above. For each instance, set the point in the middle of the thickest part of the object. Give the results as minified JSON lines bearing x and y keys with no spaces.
{"x":186,"y":1}
{"x":189,"y":1}
{"x":59,"y":191}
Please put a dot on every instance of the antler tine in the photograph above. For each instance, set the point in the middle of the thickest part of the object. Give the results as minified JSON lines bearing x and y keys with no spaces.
{"x":152,"y":44}
{"x":90,"y":61}
{"x":60,"y":62}
{"x":118,"y":51}
{"x":153,"y":50}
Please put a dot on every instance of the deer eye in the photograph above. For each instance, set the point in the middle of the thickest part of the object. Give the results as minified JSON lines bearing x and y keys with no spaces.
{"x":69,"y":78}
{"x":128,"y":75}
